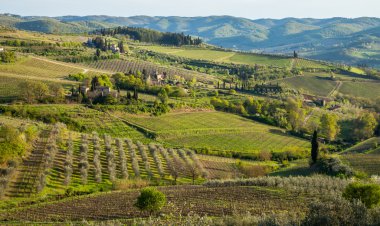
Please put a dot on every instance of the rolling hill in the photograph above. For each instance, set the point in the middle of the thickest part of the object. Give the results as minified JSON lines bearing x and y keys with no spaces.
{"x":343,"y":40}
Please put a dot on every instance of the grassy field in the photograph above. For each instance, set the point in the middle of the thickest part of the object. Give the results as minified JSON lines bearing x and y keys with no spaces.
{"x":37,"y":67}
{"x":85,"y":119}
{"x":309,"y":85}
{"x":370,"y":90}
{"x":252,"y":59}
{"x":216,"y":131}
{"x":233,"y":57}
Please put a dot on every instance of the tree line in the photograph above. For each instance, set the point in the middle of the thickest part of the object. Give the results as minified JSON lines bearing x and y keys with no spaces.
{"x":151,"y":36}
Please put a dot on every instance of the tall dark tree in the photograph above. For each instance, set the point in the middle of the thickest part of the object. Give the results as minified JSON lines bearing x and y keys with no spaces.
{"x":295,"y":54}
{"x":121,"y":47}
{"x":98,"y":52}
{"x":135,"y":94}
{"x":314,"y":147}
{"x":94,"y":83}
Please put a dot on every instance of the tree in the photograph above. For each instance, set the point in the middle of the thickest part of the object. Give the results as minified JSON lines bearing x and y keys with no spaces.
{"x":98,"y":52}
{"x":365,"y":126}
{"x":57,"y":92}
{"x":41,"y":90}
{"x":296,"y":114}
{"x":27,"y":93}
{"x":368,"y":194}
{"x":135,"y":94}
{"x":150,"y":200}
{"x":329,"y":126}
{"x":314,"y":147}
{"x":295,"y":54}
{"x":94,"y":83}
{"x":163,"y":96}
{"x":7,"y":57}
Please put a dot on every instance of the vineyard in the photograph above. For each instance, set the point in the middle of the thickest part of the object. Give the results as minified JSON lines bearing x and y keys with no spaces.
{"x":302,"y":63}
{"x":36,"y":67}
{"x":61,"y":159}
{"x":236,"y":57}
{"x":370,"y":90}
{"x":210,"y":130}
{"x":368,"y":163}
{"x":132,"y":65}
{"x":368,"y":146}
{"x":183,"y":200}
{"x":309,"y":85}
{"x":253,"y":59}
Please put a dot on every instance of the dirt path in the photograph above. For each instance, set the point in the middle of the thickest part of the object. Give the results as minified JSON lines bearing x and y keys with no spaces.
{"x":85,"y":70}
{"x":336,"y":89}
{"x":225,"y":58}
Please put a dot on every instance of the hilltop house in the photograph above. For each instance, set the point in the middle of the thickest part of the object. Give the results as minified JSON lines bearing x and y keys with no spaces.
{"x":114,"y":48}
{"x":99,"y":91}
{"x":157,"y":78}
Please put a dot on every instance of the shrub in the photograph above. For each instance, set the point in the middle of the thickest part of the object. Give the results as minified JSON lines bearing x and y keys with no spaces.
{"x":150,"y":200}
{"x":368,"y":194}
{"x":336,"y":212}
{"x":334,"y":167}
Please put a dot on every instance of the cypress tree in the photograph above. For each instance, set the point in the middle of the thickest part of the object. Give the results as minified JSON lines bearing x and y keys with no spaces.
{"x":314,"y":147}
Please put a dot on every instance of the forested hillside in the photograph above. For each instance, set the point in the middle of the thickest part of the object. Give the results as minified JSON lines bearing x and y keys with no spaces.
{"x":353,"y":41}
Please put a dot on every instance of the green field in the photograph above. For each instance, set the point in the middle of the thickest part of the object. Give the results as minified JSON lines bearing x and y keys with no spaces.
{"x":368,"y":163}
{"x":40,"y":68}
{"x":367,"y":146}
{"x":309,"y":85}
{"x":252,"y":59}
{"x":232,"y":57}
{"x":302,"y":63}
{"x":370,"y":90}
{"x":216,"y":131}
{"x":84,"y":119}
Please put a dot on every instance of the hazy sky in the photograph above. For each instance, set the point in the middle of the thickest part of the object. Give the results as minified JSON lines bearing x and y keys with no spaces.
{"x":241,"y":8}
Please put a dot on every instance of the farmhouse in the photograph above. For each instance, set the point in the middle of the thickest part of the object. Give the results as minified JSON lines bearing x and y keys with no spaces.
{"x":157,"y":78}
{"x":99,"y":91}
{"x":114,"y":48}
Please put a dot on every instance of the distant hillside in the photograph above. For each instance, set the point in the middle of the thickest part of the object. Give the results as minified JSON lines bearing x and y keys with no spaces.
{"x":353,"y":41}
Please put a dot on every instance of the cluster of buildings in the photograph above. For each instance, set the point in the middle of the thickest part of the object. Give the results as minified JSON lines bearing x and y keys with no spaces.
{"x":98,"y":91}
